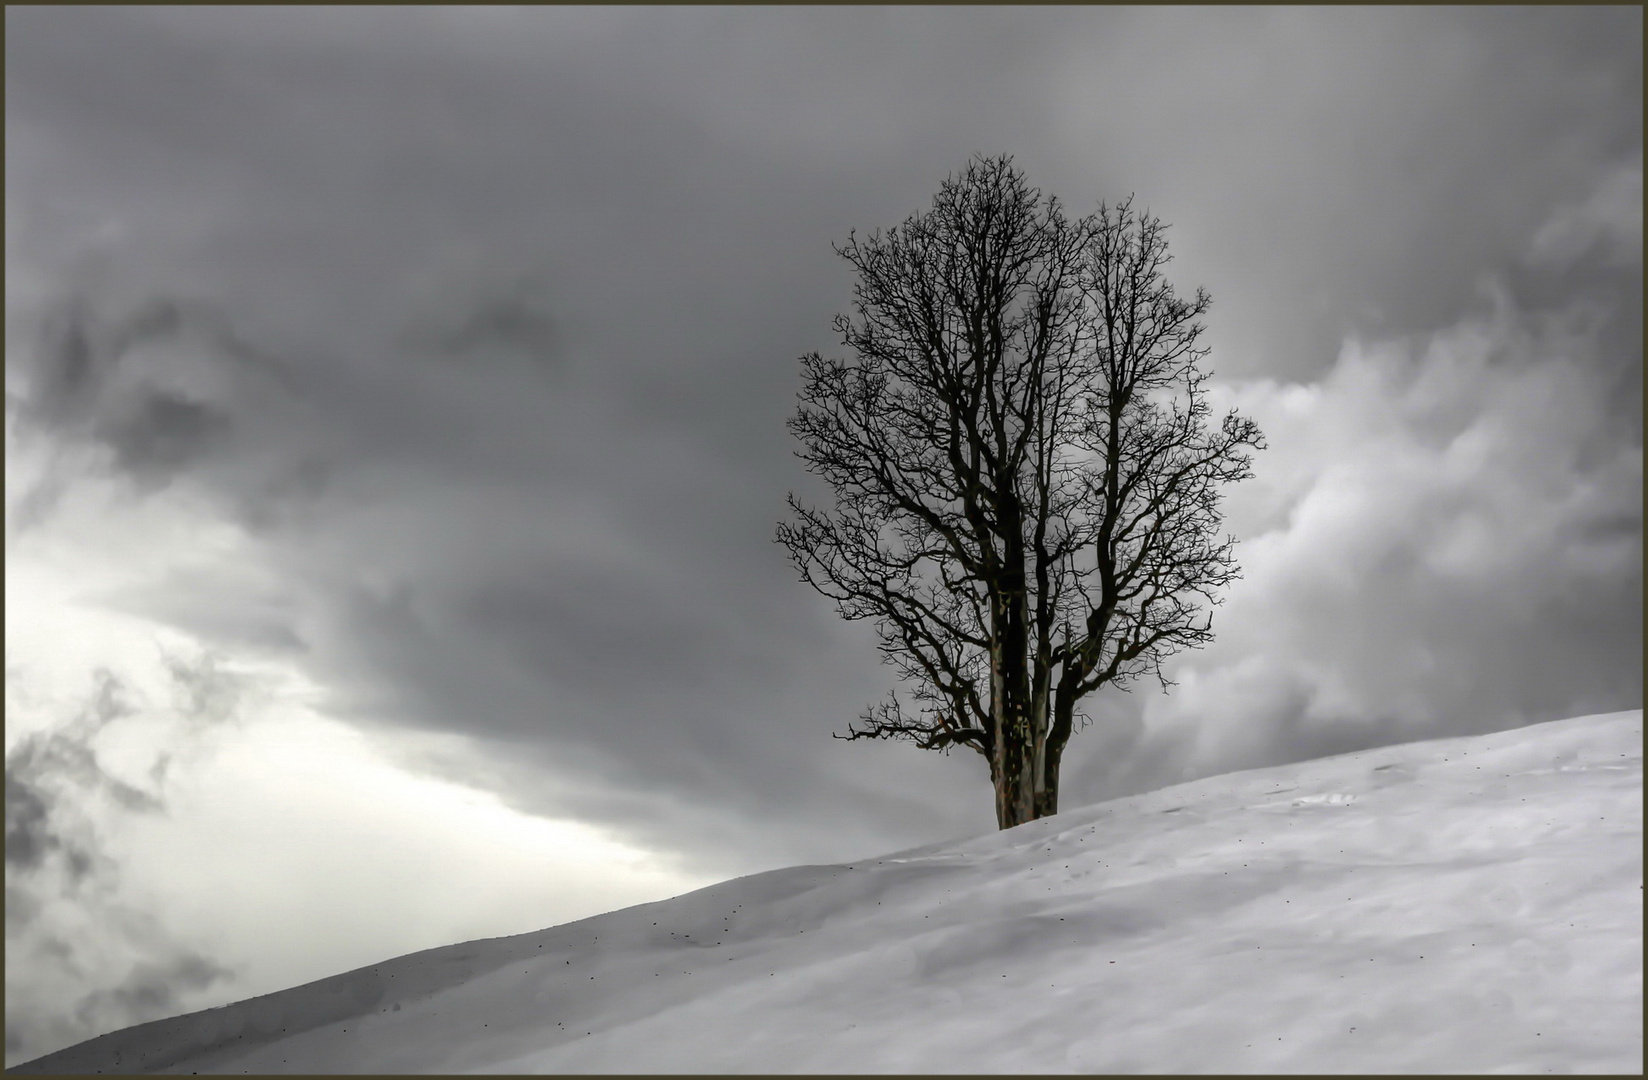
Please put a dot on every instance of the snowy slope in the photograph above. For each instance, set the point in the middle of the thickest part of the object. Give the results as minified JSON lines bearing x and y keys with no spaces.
{"x":1468,"y":904}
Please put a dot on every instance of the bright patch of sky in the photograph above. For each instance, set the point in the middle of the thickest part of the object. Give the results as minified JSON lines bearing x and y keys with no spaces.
{"x":277,"y":841}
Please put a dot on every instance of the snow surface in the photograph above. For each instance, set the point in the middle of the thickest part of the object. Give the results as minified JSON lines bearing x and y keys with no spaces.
{"x":1461,"y":905}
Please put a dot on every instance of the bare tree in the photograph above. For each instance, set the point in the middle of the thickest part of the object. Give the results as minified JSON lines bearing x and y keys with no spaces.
{"x":1026,"y":481}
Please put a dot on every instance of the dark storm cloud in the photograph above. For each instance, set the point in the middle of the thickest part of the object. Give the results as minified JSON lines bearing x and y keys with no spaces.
{"x":64,"y":756}
{"x":484,"y":323}
{"x":1373,"y":163}
{"x":30,"y":833}
{"x":54,"y":772}
{"x":163,"y":433}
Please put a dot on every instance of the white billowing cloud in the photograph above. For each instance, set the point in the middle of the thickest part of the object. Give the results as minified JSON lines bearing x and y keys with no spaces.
{"x":1444,"y":537}
{"x":1608,"y":222}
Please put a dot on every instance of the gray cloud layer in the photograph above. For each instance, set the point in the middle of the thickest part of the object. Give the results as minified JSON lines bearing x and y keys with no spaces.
{"x":484,"y":325}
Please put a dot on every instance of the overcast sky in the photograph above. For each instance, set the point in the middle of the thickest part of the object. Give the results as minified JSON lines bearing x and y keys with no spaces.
{"x":395,"y":409}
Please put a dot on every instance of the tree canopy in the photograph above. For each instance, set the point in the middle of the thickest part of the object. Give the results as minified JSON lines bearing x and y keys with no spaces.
{"x":1026,"y":475}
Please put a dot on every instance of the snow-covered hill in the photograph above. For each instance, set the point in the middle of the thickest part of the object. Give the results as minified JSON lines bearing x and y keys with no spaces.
{"x":1464,"y":905}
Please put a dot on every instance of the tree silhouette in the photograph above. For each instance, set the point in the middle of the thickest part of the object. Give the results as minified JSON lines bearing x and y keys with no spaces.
{"x":1026,"y":480}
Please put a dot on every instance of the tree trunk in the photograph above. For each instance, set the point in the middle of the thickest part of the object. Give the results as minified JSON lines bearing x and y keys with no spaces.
{"x":1001,"y":774}
{"x":1015,"y":799}
{"x":1009,"y":691}
{"x":1037,"y":763}
{"x":1047,"y":799}
{"x":1014,"y":805}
